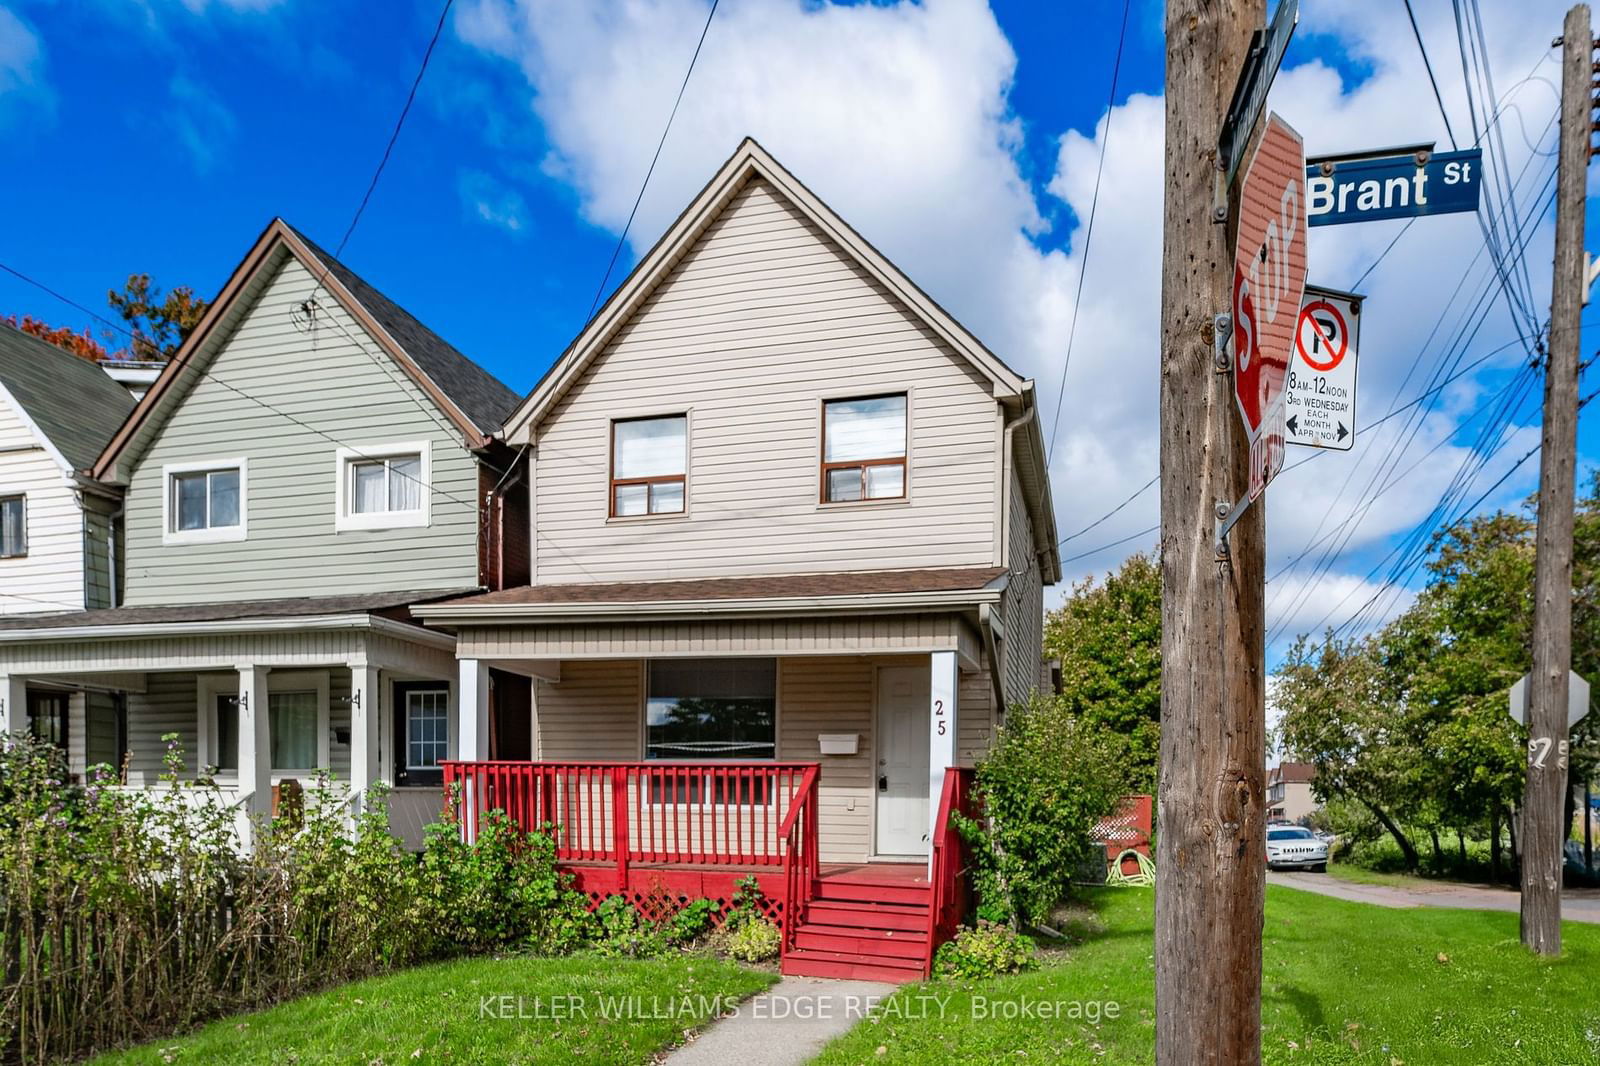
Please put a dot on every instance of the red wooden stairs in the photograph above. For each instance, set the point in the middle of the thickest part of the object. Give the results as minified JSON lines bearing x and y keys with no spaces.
{"x":865,"y":925}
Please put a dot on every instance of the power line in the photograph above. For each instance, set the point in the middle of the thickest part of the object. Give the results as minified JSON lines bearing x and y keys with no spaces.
{"x":1426,"y":62}
{"x":622,"y":239}
{"x":1088,"y":238}
{"x":399,"y":124}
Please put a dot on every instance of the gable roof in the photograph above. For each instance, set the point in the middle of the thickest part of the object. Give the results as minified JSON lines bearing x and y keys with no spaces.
{"x":72,"y":403}
{"x":473,"y":399}
{"x":748,"y":161}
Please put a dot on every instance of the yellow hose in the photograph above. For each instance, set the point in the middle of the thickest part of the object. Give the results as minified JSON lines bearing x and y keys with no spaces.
{"x":1143,"y":879}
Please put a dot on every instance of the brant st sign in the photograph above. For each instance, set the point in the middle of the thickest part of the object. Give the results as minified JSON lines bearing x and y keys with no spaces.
{"x":1391,"y":183}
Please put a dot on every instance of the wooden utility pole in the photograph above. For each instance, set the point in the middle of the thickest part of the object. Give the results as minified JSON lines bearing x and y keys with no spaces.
{"x":1544,"y":800}
{"x":1211,"y":851}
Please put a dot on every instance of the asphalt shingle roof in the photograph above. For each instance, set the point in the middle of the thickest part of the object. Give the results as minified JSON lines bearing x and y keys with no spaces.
{"x":394,"y":603}
{"x":71,"y":400}
{"x":479,"y":394}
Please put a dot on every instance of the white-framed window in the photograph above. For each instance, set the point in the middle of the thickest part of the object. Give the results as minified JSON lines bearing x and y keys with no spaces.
{"x":206,"y":501}
{"x":384,"y":486}
{"x":13,"y":526}
{"x":297,"y":722}
{"x":427,"y":728}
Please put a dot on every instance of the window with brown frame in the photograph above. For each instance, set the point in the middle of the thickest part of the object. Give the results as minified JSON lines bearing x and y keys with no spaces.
{"x":864,"y":449}
{"x":649,"y":460}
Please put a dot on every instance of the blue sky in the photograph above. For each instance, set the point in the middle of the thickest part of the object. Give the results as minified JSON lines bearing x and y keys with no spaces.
{"x":961,"y":138}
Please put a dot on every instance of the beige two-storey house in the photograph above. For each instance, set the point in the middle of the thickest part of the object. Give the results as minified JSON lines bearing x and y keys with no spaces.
{"x":790,"y":531}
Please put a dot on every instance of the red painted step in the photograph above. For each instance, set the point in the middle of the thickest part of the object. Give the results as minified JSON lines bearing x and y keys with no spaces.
{"x":868,"y":942}
{"x":838,"y":888}
{"x":867,"y":915}
{"x":811,"y":962}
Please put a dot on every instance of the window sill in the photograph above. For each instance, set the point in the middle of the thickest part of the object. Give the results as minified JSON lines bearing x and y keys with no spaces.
{"x":834,"y":505}
{"x":382,"y":520}
{"x":223,"y":535}
{"x":670,"y":516}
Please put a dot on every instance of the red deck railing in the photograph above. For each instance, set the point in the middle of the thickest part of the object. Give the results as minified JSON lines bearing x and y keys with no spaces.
{"x":948,"y":867}
{"x":710,"y":813}
{"x":800,"y":859}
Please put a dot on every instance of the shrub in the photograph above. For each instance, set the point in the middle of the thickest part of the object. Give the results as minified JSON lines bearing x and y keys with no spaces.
{"x":984,"y":951}
{"x":1049,"y":778}
{"x":755,"y":940}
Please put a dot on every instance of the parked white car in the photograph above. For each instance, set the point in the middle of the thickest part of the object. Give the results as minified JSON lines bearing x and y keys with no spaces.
{"x":1290,"y":847}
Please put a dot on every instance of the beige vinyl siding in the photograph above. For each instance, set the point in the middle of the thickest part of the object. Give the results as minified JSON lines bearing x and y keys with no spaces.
{"x":762,"y":319}
{"x":592,"y":713}
{"x":832,"y":695}
{"x":50,"y":577}
{"x":348,"y":391}
{"x":975,"y":716}
{"x":167,"y":705}
{"x":1023,"y":613}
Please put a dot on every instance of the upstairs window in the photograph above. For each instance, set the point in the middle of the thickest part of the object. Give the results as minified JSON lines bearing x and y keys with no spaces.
{"x":206,"y":501}
{"x":382,"y":486}
{"x":864,"y":449}
{"x":649,"y":461}
{"x":13,"y":526}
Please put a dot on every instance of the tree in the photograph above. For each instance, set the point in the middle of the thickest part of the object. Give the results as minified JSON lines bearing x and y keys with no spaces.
{"x":83,"y":345}
{"x":1339,"y":716}
{"x":159,"y":322}
{"x":1108,"y":640}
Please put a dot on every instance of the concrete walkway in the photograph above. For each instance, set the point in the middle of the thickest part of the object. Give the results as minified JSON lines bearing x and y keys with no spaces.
{"x":1577,"y":905}
{"x":788,"y":1024}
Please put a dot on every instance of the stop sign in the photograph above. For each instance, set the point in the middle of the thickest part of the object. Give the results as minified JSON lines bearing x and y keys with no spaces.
{"x":1269,"y":278}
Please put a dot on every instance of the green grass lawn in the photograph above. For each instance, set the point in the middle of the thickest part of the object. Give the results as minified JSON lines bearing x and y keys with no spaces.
{"x":513,"y":1010}
{"x":1343,"y":983}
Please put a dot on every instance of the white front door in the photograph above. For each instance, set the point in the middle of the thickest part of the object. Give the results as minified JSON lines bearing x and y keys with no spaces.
{"x":902,"y":747}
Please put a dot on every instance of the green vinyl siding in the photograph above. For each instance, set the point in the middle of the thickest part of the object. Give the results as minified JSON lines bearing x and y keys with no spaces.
{"x":318,"y":390}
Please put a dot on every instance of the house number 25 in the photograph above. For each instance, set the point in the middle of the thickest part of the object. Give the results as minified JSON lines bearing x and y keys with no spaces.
{"x":1539,"y":751}
{"x":938,"y":712}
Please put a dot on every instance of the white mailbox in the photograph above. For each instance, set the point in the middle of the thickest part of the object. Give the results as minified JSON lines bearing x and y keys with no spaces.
{"x":839,"y":743}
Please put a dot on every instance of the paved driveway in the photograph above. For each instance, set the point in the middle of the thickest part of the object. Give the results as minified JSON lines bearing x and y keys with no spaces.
{"x":1577,"y":905}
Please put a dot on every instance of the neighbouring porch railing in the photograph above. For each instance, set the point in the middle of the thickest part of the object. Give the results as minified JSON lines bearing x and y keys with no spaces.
{"x":948,"y":868}
{"x":710,"y":813}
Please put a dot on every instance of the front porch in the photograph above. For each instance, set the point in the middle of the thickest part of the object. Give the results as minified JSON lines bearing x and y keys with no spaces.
{"x":663,"y":834}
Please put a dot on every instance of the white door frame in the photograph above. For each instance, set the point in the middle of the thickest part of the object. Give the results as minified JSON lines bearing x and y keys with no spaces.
{"x":879,"y":748}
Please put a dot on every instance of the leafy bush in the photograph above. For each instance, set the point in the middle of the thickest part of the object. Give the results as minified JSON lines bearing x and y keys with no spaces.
{"x":984,"y":951}
{"x":747,"y":934}
{"x":127,"y":914}
{"x":755,"y":940}
{"x":1049,"y":778}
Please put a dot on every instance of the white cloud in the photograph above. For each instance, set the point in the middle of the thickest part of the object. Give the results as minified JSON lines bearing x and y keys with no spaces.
{"x":23,"y":89}
{"x":489,"y":200}
{"x":201,"y":122}
{"x":899,"y":115}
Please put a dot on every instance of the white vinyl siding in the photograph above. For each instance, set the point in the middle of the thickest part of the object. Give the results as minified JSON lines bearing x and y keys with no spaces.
{"x":349,"y":394}
{"x":762,"y":320}
{"x":50,"y":577}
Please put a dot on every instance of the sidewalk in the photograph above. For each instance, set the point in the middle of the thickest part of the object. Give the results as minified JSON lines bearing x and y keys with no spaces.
{"x":1577,"y":905}
{"x":789,"y":1024}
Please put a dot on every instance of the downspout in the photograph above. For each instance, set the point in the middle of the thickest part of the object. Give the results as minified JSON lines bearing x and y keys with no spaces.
{"x":986,"y":618}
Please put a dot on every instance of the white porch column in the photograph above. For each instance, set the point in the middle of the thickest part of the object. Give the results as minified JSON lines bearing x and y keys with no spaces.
{"x":255,"y":745}
{"x":366,"y":713}
{"x":13,"y":704}
{"x":941,"y":736}
{"x":472,"y":711}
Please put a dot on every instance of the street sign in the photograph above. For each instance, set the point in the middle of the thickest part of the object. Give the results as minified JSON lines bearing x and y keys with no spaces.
{"x":1320,"y":399}
{"x":1365,"y":188}
{"x":1577,"y":699}
{"x":1250,"y":91}
{"x":1269,"y":276}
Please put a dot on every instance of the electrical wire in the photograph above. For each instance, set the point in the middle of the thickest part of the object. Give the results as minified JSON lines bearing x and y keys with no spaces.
{"x":1088,"y":238}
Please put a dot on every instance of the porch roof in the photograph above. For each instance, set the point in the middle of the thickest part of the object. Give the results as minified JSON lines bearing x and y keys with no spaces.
{"x":116,"y":621}
{"x":873,"y":590}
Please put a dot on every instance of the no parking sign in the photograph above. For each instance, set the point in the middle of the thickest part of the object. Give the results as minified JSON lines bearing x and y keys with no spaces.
{"x":1320,"y":400}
